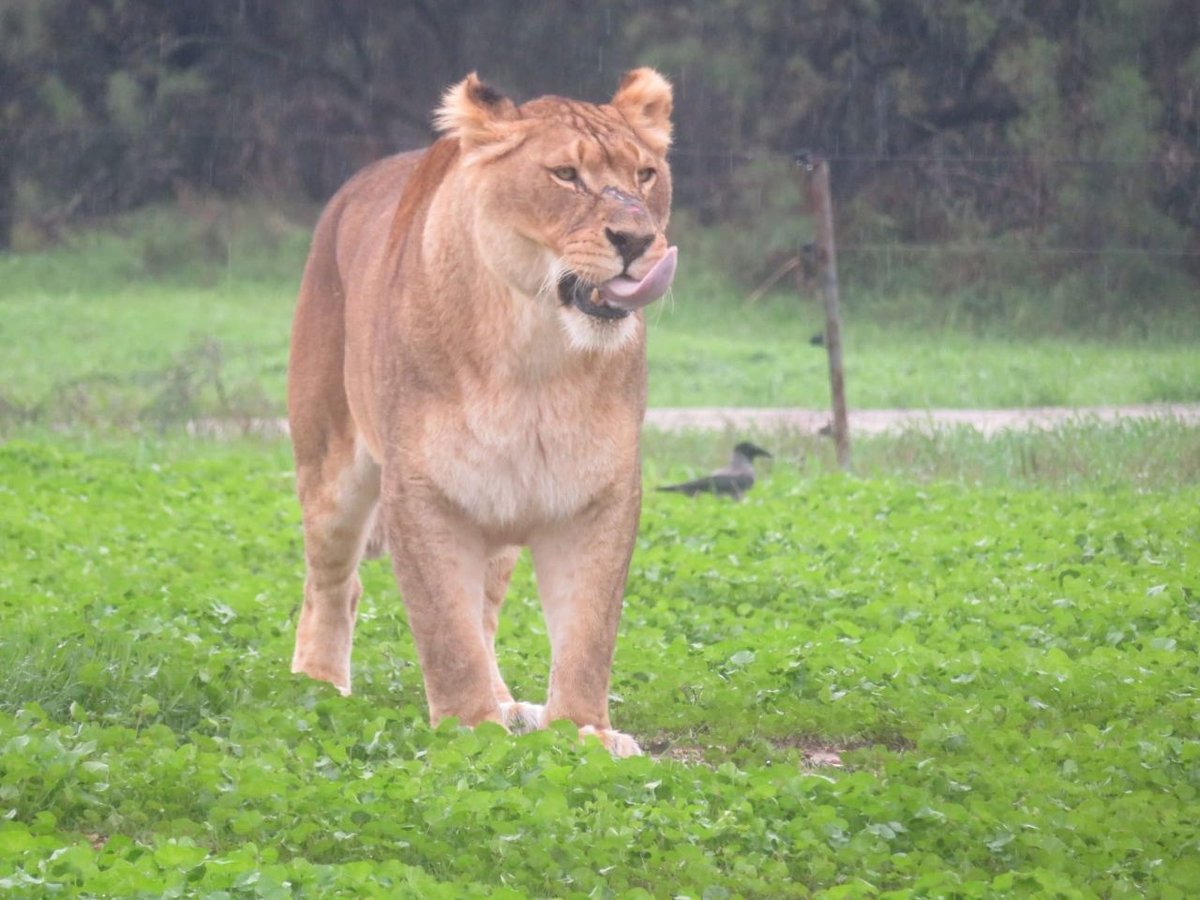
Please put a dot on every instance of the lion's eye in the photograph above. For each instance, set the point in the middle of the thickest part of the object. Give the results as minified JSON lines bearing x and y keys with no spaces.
{"x":565,"y":173}
{"x":645,"y":176}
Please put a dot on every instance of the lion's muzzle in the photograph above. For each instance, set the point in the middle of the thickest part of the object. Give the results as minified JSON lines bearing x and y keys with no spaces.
{"x":618,"y":297}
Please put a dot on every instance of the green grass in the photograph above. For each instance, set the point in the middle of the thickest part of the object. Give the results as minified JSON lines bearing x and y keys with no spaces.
{"x":1009,"y":674}
{"x":997,"y":635}
{"x":159,"y":318}
{"x":163,"y":318}
{"x":763,"y":358}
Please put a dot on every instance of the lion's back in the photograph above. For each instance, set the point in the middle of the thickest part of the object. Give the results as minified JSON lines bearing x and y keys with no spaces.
{"x":361,"y":211}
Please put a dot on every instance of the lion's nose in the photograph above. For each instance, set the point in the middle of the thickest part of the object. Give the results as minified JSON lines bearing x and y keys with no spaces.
{"x":628,"y":244}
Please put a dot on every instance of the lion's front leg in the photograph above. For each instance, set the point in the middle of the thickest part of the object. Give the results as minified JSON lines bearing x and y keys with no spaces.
{"x":441,"y":565}
{"x":581,"y":566}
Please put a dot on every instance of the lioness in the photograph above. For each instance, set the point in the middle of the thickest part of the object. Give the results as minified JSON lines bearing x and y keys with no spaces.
{"x":468,"y":363}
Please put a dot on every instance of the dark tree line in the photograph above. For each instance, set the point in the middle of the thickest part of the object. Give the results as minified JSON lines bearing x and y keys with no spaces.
{"x":1072,"y":123}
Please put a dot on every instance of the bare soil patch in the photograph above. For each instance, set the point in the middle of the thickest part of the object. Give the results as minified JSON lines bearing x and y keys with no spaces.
{"x":816,"y":752}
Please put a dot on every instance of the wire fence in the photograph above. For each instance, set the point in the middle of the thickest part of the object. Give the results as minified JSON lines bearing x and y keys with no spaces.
{"x":948,"y":249}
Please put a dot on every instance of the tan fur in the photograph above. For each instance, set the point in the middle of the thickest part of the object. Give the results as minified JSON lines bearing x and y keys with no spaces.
{"x":439,"y":384}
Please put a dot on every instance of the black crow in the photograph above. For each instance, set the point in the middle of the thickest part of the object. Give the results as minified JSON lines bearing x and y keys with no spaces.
{"x":732,"y":481}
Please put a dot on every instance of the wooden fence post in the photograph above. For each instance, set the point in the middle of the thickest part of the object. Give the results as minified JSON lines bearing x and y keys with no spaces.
{"x":817,"y":171}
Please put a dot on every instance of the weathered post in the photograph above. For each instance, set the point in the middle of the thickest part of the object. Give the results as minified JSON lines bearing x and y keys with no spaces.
{"x":816,"y":171}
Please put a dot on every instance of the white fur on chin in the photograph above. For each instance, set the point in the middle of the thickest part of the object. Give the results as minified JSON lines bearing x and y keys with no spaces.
{"x":585,"y":333}
{"x":591,"y":335}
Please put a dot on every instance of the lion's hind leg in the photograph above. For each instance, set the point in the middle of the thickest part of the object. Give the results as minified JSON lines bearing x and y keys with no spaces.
{"x":338,"y":495}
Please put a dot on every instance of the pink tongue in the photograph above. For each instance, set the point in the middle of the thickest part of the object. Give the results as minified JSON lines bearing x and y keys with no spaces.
{"x":625,"y":293}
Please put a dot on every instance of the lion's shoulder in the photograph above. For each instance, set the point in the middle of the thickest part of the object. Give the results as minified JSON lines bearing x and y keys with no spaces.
{"x":378,"y":203}
{"x":382,"y":180}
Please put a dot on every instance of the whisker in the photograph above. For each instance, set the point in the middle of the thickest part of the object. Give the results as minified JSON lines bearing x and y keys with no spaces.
{"x":554,"y":274}
{"x":663,"y":305}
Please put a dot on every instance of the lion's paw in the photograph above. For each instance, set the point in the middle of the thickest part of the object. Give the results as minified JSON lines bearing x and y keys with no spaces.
{"x":615,"y":742}
{"x":338,"y":676}
{"x":521,"y":718}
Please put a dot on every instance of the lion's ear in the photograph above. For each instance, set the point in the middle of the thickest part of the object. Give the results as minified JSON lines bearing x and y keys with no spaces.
{"x":644,"y":99}
{"x":475,"y":113}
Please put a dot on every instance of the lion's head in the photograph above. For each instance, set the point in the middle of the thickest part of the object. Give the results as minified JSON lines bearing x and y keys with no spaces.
{"x":569,"y":199}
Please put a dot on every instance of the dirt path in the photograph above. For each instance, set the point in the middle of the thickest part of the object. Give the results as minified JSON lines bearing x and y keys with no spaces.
{"x":862,"y":421}
{"x":879,"y":421}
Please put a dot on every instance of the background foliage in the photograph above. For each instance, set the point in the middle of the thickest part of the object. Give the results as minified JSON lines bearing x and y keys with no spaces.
{"x":1052,"y":134}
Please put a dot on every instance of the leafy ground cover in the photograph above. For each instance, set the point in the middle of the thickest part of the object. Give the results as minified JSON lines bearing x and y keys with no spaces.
{"x":1008,"y":676}
{"x":164,"y":318}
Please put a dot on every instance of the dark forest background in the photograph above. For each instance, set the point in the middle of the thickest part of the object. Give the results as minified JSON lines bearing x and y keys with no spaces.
{"x":1052,"y":132}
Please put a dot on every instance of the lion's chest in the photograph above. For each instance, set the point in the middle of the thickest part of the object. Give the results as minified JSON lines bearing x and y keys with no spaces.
{"x":513,"y":463}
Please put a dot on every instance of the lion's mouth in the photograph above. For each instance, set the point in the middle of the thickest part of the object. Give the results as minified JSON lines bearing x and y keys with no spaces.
{"x":618,"y":297}
{"x":574,"y":291}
